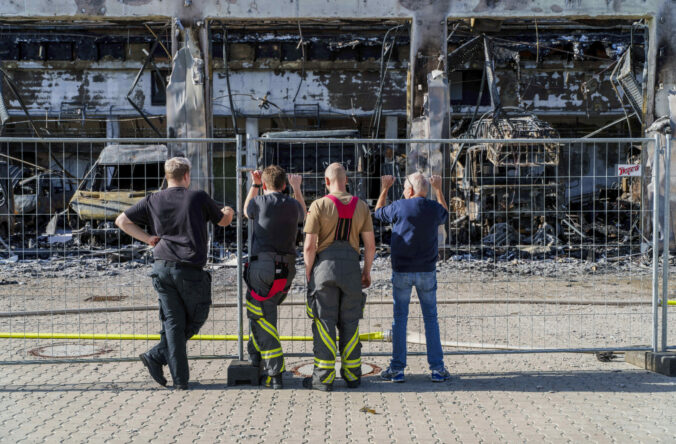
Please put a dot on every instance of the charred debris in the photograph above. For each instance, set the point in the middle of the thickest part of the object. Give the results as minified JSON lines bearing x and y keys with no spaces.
{"x":505,"y":79}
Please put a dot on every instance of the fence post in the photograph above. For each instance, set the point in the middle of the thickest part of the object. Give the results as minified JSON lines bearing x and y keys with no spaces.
{"x":656,"y":240}
{"x":240,"y":320}
{"x":666,"y":235}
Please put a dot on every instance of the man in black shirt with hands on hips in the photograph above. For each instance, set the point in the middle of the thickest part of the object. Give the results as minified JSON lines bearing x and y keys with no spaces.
{"x":178,"y":218}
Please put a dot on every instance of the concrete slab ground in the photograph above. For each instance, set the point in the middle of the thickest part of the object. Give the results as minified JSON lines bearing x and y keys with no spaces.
{"x":504,"y":398}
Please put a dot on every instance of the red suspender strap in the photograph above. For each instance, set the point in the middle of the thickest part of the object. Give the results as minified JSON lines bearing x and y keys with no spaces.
{"x":344,"y":211}
{"x":277,"y":286}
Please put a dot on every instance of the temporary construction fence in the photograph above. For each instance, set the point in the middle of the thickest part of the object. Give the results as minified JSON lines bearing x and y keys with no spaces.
{"x":73,"y":288}
{"x":550,"y":244}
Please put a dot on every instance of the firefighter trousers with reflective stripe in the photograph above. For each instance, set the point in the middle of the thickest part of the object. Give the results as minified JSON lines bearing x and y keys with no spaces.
{"x":185,"y":298}
{"x":335,"y":301}
{"x":264,"y":345}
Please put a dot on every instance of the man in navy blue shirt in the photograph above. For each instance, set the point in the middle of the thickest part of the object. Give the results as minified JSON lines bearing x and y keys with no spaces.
{"x":415,"y":225}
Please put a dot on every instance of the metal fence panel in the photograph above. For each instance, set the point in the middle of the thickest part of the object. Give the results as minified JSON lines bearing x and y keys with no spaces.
{"x":547,"y":252}
{"x":83,"y":292}
{"x":547,"y":247}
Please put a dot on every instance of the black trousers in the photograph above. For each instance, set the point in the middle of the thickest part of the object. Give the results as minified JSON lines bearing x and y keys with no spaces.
{"x":185,"y":298}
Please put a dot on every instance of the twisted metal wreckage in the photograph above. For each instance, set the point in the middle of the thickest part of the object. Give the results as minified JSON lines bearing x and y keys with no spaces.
{"x":480,"y":83}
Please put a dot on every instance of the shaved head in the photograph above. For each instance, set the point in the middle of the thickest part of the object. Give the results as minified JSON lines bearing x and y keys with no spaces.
{"x":335,"y":177}
{"x":335,"y":173}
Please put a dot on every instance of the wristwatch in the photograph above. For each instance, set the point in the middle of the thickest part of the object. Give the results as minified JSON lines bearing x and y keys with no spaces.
{"x":257,"y":185}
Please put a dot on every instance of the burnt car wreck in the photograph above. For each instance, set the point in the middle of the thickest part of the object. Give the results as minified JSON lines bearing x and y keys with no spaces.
{"x":121,"y":176}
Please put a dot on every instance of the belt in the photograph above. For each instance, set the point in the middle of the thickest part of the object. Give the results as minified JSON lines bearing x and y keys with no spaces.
{"x":174,"y":264}
{"x":284,"y":258}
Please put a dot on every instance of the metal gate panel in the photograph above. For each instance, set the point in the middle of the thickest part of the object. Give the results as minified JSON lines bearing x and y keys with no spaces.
{"x":83,"y":293}
{"x":535,"y":258}
{"x":538,"y":255}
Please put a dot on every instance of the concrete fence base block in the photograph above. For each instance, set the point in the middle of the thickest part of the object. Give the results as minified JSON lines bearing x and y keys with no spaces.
{"x":661,"y":362}
{"x":241,"y":372}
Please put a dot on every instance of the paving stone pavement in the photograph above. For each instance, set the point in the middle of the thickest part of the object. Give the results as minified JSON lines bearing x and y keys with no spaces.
{"x":504,"y":398}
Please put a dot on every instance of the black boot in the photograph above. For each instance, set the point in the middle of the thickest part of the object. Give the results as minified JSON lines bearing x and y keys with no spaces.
{"x":353,"y":384}
{"x":154,"y":369}
{"x":307,"y":383}
{"x":274,"y":382}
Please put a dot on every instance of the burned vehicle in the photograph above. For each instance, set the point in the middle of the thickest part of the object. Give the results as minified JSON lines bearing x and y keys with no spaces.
{"x":28,"y":199}
{"x":38,"y":197}
{"x":502,"y":183}
{"x":311,"y":159}
{"x":120,"y":177}
{"x":10,"y":176}
{"x":506,"y":193}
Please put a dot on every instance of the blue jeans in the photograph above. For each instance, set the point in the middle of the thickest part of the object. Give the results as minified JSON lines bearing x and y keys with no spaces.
{"x":426,"y":288}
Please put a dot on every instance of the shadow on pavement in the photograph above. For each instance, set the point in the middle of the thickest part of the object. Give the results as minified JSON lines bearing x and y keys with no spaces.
{"x":627,"y":381}
{"x":622,"y":381}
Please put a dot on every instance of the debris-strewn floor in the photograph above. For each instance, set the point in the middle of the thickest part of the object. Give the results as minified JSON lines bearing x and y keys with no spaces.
{"x":533,"y":398}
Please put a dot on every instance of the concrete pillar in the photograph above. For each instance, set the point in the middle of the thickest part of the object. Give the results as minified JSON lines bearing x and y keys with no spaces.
{"x":428,"y":67}
{"x":186,"y":112}
{"x":112,"y":127}
{"x":251,"y":149}
{"x":428,"y":52}
{"x":391,"y":127}
{"x":251,"y":161}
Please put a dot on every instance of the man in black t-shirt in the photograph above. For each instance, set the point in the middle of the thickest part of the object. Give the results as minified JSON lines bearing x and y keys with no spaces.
{"x":269,"y":274}
{"x":177,"y":218}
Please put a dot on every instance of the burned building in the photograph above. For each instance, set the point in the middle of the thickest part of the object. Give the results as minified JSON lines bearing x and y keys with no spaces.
{"x":373,"y":70}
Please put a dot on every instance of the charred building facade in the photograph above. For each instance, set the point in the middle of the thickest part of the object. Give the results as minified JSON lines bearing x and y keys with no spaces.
{"x":391,"y":69}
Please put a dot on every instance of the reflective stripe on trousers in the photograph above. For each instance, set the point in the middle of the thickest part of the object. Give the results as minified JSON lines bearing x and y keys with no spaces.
{"x":264,"y":338}
{"x":335,"y":302}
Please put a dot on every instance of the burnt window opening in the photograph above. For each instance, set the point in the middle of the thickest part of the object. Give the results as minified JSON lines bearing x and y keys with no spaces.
{"x":291,"y":51}
{"x":60,"y":51}
{"x":139,"y":177}
{"x":86,"y":50}
{"x":31,"y":51}
{"x":346,"y":53}
{"x":319,"y":51}
{"x":113,"y":50}
{"x":268,"y":50}
{"x":158,"y":92}
{"x":465,"y":86}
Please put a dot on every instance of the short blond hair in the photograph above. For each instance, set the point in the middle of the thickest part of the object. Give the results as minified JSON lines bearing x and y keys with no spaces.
{"x":176,"y":167}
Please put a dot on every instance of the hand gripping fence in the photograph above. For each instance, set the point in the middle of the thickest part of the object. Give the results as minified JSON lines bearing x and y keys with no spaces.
{"x":551,"y":245}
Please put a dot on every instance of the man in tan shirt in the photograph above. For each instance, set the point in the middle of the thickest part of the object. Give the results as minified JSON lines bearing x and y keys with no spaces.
{"x":332,"y":230}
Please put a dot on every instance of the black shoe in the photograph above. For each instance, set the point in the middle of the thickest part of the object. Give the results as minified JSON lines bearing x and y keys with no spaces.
{"x":350,"y":384}
{"x":307,"y":383}
{"x":154,"y":369}
{"x":353,"y":384}
{"x":181,"y":387}
{"x":274,"y":382}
